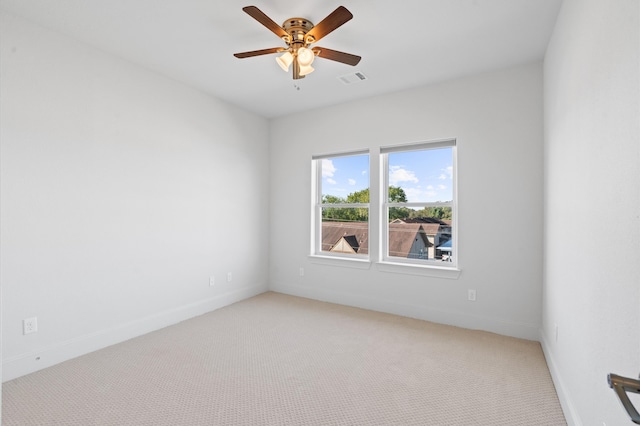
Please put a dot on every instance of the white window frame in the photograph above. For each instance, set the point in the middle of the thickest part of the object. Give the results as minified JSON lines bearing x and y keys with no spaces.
{"x":316,"y":216}
{"x":378,"y":216}
{"x":385,"y":205}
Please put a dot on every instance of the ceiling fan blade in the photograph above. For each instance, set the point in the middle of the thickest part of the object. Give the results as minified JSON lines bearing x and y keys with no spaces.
{"x":334,"y":55}
{"x":335,"y":19}
{"x":258,"y":52}
{"x":259,"y":16}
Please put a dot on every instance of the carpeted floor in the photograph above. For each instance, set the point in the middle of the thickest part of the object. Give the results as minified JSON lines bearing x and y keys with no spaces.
{"x":282,"y":360}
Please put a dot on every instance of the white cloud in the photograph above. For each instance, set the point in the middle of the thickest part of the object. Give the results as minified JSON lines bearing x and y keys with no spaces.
{"x":448,"y":173}
{"x":328,"y":169}
{"x":331,"y":181}
{"x":430,"y":188}
{"x":441,"y":187}
{"x":412,"y":193}
{"x":398,"y":174}
{"x":415,"y":194}
{"x":364,"y":173}
{"x":352,"y":181}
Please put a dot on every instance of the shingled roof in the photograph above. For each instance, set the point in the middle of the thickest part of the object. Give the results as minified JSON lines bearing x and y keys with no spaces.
{"x":422,"y":220}
{"x":357,"y":232}
{"x":401,"y":235}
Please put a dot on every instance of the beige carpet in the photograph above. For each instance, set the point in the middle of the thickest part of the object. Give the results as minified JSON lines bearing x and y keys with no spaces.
{"x":281,"y":360}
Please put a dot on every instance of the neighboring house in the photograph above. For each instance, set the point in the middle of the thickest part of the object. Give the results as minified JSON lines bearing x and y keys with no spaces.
{"x":445,"y":249}
{"x":347,"y":244}
{"x":438,"y":232}
{"x":417,"y":238}
{"x":409,"y":240}
{"x":345,"y":237}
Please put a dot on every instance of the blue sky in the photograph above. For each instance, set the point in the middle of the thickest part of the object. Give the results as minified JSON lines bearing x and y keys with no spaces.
{"x":424,"y":175}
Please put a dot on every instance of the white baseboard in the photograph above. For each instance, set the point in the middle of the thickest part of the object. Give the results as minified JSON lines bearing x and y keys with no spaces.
{"x":46,"y":357}
{"x":437,"y":315}
{"x":568,"y":408}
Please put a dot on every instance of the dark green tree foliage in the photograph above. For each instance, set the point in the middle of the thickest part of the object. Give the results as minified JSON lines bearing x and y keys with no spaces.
{"x":333,"y":214}
{"x":359,"y":196}
{"x":359,"y":214}
{"x":332,"y":199}
{"x":346,"y":214}
{"x":397,"y":195}
{"x":435,"y":212}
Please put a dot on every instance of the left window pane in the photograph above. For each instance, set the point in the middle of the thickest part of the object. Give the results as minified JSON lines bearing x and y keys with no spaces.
{"x":342,"y":205}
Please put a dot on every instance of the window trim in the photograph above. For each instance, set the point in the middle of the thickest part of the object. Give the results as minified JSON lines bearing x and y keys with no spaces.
{"x":317,"y":206}
{"x":378,"y":215}
{"x":384,"y":258}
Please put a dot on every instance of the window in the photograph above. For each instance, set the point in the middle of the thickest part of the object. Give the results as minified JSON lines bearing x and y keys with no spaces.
{"x":418,"y":207}
{"x":341,"y":205}
{"x":413,"y":221}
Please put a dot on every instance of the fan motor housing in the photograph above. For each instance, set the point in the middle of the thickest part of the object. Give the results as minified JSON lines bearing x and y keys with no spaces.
{"x":297,"y":28}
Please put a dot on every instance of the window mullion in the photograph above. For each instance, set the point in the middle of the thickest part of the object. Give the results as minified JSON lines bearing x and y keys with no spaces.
{"x":345,"y":205}
{"x":384,"y":207}
{"x":316,"y":220}
{"x":421,"y":204}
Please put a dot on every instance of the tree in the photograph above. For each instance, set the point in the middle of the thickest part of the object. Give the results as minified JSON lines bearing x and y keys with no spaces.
{"x":332,"y":213}
{"x":397,"y":195}
{"x":442,"y":213}
{"x":361,"y":214}
{"x":332,"y":199}
{"x":358,"y":214}
{"x":359,"y":196}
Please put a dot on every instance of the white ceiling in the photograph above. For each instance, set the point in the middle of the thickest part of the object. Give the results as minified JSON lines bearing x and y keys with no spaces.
{"x":403,"y":43}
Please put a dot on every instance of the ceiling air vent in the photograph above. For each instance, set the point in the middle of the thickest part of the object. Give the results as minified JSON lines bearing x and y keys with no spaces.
{"x":355,"y":77}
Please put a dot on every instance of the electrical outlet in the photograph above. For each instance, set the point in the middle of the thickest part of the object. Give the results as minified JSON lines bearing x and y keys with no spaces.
{"x":556,"y":332}
{"x":302,"y":272}
{"x":471,"y":295}
{"x":29,"y":325}
{"x":229,"y":277}
{"x":212,"y":281}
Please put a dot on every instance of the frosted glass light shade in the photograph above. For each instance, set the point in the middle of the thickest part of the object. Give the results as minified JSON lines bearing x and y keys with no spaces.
{"x":285,"y":60}
{"x":305,"y":57}
{"x":306,"y":69}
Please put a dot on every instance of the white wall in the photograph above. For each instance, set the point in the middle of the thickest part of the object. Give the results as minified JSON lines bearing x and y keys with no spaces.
{"x":122,"y":192}
{"x":497,"y":121}
{"x":592,"y":194}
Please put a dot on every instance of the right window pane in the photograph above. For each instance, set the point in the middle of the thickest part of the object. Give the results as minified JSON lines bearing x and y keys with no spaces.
{"x":420,"y":204}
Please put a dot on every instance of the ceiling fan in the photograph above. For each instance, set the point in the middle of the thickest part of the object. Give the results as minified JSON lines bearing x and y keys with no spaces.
{"x":299,"y":34}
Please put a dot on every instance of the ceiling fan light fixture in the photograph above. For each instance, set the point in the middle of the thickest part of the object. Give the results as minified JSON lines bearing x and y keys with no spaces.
{"x":298,"y":34}
{"x":305,"y":57}
{"x":306,"y":69}
{"x":285,"y":61}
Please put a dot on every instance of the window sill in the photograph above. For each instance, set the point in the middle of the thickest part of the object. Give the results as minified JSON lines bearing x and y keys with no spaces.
{"x":390,"y":267}
{"x":423,"y":270}
{"x":341,"y":261}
